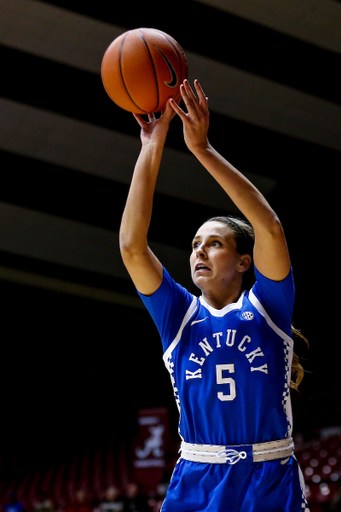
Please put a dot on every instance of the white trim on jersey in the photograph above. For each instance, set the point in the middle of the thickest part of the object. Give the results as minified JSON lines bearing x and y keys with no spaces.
{"x":167,"y":356}
{"x":226,"y":309}
{"x":190,"y":311}
{"x":288,"y":353}
{"x":256,"y":303}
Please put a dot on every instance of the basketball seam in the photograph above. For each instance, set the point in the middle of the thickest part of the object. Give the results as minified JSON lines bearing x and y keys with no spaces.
{"x":122,"y":77}
{"x":154,"y":71}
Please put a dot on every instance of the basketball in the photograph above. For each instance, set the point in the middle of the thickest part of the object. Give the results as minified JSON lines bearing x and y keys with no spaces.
{"x":142,"y":69}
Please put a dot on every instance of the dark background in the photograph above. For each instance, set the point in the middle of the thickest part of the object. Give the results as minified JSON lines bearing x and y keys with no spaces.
{"x":74,"y":369}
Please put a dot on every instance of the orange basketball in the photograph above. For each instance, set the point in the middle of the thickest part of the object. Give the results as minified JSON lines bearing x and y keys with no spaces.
{"x":142,"y":68}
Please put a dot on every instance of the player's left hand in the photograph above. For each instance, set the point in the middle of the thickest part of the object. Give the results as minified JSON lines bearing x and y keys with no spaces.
{"x":196,"y":120}
{"x":156,"y":128}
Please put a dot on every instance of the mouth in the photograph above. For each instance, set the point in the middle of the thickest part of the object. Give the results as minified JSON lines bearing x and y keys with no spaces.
{"x":201,"y":267}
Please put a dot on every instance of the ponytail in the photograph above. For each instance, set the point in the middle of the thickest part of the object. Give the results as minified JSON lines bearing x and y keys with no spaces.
{"x":297,"y":370}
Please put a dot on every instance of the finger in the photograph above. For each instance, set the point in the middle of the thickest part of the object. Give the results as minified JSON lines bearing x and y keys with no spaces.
{"x":189,"y":91}
{"x":169,"y":112}
{"x":177,"y":109}
{"x":200,"y":92}
{"x":193,"y":99}
{"x":188,"y":98}
{"x":140,"y":120}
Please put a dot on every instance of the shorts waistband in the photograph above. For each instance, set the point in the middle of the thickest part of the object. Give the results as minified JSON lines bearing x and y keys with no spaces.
{"x":219,"y":454}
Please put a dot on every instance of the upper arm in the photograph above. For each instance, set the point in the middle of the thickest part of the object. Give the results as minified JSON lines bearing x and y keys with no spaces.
{"x":168,"y":307}
{"x":271,"y":255}
{"x":145,"y":270}
{"x":277,"y":297}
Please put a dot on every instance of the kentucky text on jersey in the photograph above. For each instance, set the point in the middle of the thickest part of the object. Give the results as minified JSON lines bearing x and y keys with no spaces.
{"x":230,"y":340}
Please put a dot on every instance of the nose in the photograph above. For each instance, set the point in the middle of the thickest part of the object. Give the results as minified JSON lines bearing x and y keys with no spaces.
{"x":200,"y":250}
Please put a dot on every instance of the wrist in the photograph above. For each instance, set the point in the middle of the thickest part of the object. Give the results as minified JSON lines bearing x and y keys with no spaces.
{"x":153,"y":147}
{"x":201,"y":149}
{"x":154,"y":141}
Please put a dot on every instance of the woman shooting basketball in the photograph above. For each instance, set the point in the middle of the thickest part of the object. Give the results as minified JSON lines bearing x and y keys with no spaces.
{"x":229,"y":352}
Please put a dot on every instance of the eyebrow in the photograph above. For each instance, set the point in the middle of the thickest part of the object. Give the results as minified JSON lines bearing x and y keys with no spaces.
{"x":214,"y":235}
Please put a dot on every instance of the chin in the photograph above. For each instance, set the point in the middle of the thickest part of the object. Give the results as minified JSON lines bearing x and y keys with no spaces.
{"x":200,"y":282}
{"x":195,"y":282}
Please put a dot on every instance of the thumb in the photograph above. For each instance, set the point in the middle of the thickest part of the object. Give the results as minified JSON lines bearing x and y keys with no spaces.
{"x":168,"y":113}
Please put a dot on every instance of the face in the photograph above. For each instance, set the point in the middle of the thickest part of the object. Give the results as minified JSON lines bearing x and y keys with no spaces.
{"x":215,"y":263}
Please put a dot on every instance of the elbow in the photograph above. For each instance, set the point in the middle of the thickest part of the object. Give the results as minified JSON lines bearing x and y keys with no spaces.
{"x":128,"y":253}
{"x":126,"y":246}
{"x":269,"y":225}
{"x":129,"y":249}
{"x":274,"y":226}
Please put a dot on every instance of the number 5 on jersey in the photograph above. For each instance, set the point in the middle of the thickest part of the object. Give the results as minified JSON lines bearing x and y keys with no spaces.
{"x":220,"y":368}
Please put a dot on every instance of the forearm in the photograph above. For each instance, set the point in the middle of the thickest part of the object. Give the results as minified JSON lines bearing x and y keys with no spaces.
{"x":138,"y":209}
{"x":270,"y":253}
{"x":241,"y":191}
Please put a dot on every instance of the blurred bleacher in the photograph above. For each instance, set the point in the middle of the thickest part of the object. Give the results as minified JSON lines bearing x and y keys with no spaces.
{"x":94,"y":472}
{"x":320,"y":461}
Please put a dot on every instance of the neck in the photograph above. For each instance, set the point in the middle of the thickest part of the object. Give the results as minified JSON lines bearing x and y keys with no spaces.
{"x":219,"y":302}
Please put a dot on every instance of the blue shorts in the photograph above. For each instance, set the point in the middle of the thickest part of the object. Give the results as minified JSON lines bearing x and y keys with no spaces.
{"x":272,"y":486}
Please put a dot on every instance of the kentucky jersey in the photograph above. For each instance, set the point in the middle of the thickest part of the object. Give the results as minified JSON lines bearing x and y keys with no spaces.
{"x":230,"y":371}
{"x":230,"y":368}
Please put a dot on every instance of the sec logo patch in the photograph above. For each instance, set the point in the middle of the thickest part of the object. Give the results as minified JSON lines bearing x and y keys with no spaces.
{"x":248,"y":315}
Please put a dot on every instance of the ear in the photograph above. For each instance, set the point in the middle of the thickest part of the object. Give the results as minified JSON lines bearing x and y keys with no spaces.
{"x":245,"y":263}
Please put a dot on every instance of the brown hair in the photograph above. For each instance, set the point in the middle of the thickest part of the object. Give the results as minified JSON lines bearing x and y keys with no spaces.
{"x":297,"y":370}
{"x":245,"y":240}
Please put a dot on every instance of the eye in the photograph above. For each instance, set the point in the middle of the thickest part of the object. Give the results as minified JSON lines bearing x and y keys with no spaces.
{"x":195,"y":245}
{"x":216,"y":243}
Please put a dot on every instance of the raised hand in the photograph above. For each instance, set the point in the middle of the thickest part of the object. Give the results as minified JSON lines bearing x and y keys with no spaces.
{"x":155,"y":129}
{"x":196,"y":120}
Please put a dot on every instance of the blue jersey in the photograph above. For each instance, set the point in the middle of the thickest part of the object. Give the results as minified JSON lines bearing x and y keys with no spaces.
{"x":230,"y":370}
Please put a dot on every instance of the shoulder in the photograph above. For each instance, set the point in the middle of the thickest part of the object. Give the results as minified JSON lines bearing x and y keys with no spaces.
{"x":168,"y":293}
{"x":277,"y":298}
{"x":168,"y":306}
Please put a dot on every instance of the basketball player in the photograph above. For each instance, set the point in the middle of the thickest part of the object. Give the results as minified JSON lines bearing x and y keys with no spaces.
{"x":229,"y":352}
